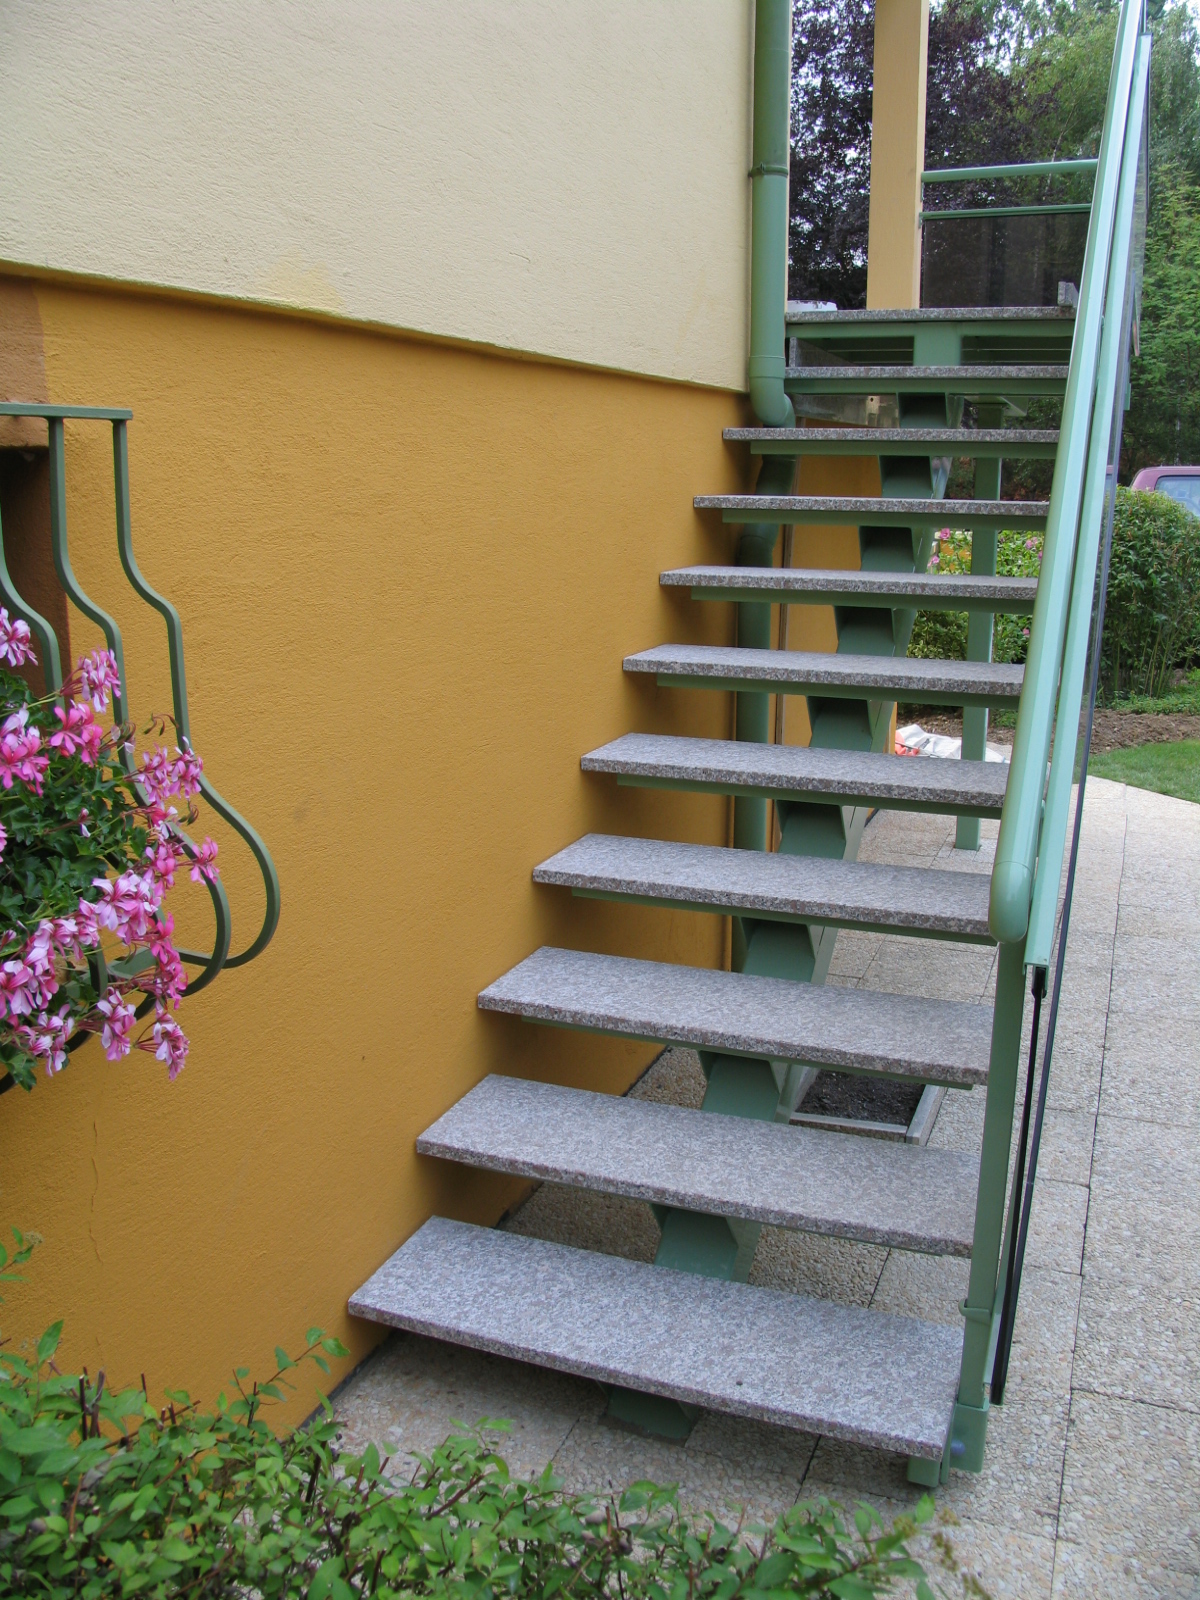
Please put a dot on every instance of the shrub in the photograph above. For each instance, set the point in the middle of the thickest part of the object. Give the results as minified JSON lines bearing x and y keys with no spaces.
{"x":1152,"y":615}
{"x":942,"y":635}
{"x":105,"y":1497}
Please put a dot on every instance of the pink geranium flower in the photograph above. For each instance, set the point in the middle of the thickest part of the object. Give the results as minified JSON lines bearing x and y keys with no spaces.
{"x":15,"y":648}
{"x":19,"y":747}
{"x":98,"y":673}
{"x":170,"y":1045}
{"x":205,"y":864}
{"x":119,"y":1017}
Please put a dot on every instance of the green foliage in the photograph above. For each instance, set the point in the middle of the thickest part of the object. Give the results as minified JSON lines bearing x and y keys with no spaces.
{"x":942,"y":635}
{"x":103,"y":1497}
{"x":1166,"y":768}
{"x":1163,"y":422}
{"x":1152,"y":616}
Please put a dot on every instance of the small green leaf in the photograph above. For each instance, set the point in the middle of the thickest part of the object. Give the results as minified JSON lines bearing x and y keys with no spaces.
{"x":48,"y":1343}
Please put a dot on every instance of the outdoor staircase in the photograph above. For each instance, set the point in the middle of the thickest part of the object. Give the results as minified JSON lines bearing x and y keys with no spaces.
{"x":689,"y":1331}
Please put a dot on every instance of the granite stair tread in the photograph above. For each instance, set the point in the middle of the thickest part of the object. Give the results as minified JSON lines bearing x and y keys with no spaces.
{"x":902,"y":378}
{"x":799,"y":314}
{"x":925,"y":591}
{"x":909,"y":678}
{"x":835,"y":510}
{"x":795,"y":772}
{"x":976,"y":442}
{"x":846,"y":1030}
{"x":851,"y":894}
{"x":788,"y":1177}
{"x":866,"y":1377}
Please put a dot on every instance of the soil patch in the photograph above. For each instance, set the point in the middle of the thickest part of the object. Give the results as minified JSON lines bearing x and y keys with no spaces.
{"x":1111,"y":729}
{"x":845,"y":1094}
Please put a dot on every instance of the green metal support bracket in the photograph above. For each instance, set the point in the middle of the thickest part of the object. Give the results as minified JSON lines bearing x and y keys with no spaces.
{"x":980,"y":623}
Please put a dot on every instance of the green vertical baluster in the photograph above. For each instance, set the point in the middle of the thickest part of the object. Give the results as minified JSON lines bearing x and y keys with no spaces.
{"x":979,"y":623}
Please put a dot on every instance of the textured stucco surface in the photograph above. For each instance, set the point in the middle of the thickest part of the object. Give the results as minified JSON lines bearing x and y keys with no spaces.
{"x":569,"y":180}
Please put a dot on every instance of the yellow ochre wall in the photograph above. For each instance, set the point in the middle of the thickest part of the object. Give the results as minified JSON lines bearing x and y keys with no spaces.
{"x":408,"y":572}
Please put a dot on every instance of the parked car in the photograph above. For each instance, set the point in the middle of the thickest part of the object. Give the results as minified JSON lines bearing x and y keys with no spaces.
{"x":1181,"y":483}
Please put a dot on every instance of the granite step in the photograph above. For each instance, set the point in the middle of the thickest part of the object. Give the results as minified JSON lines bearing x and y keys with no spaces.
{"x":976,"y":443}
{"x":973,"y":382}
{"x":802,"y":318}
{"x":774,"y":1019}
{"x":844,"y":894}
{"x":831,"y":674}
{"x":836,"y":510}
{"x":862,"y":1376}
{"x":922,"y":591}
{"x":789,"y":1177}
{"x":794,"y":772}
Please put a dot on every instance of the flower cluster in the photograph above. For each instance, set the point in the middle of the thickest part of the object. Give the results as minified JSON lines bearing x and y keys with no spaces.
{"x":90,"y":948}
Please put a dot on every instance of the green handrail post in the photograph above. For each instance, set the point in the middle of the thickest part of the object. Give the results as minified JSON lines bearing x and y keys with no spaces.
{"x":1012,"y":877}
{"x":1044,"y":909}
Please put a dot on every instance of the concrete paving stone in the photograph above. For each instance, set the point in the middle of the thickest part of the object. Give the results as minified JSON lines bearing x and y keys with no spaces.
{"x":727,"y":1464}
{"x":674,"y":1078}
{"x":407,"y":1397}
{"x":1016,"y":1493}
{"x":1129,"y":1483}
{"x":853,"y":953}
{"x":1132,"y":1241}
{"x":1144,"y":884}
{"x":1151,"y":1040}
{"x":1156,"y":972}
{"x":1152,"y":1091}
{"x":959,"y":1124}
{"x":1149,"y":1161}
{"x":1076,"y":1069}
{"x":807,"y":1263}
{"x":1056,"y":1225}
{"x":1135,"y":1342}
{"x":929,"y":1287}
{"x":1066,"y":1148}
{"x":1087,"y":1572}
{"x":609,"y":1223}
{"x":1043,"y":1347}
{"x":927,"y":967}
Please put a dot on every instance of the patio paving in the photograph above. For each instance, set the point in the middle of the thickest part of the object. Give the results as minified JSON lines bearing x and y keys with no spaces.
{"x":1091,"y":1484}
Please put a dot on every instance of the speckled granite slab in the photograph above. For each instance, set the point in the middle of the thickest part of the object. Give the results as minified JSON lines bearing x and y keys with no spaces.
{"x":790,"y":1177}
{"x":874,"y":511}
{"x":793,"y":772}
{"x":834,"y":673}
{"x":928,"y":591}
{"x":851,"y":894}
{"x":1019,"y":378}
{"x":858,"y":1030}
{"x":975,"y":442}
{"x":796,"y":314}
{"x":862,"y":1376}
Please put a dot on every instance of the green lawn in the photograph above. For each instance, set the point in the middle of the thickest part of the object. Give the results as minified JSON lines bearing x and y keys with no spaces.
{"x":1165,"y":768}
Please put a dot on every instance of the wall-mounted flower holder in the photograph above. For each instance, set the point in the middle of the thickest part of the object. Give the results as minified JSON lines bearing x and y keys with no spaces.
{"x":210,"y":962}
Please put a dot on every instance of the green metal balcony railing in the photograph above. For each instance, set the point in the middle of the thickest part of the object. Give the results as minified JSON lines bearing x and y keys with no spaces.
{"x":213,"y":961}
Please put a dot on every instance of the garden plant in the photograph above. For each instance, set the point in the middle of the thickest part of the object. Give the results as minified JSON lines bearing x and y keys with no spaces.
{"x":105,"y":1494}
{"x":89,"y":845}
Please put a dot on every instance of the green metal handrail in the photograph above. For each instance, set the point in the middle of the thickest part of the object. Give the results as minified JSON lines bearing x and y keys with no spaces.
{"x":213,"y":961}
{"x":1052,"y":843}
{"x":1019,"y":169}
{"x":1020,"y":824}
{"x":1050,"y":209}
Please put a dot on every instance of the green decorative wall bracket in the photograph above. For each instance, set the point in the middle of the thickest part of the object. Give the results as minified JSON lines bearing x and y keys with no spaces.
{"x":213,"y":961}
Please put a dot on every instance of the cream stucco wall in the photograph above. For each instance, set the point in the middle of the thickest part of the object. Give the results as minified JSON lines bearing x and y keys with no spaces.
{"x":568,"y":179}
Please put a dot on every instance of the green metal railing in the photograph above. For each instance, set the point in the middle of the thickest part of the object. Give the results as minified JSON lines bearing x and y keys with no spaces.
{"x":1057,"y":651}
{"x":1025,"y":169}
{"x":213,"y":961}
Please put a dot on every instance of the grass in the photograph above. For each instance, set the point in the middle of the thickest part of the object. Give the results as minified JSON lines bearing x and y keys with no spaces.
{"x":1166,"y":768}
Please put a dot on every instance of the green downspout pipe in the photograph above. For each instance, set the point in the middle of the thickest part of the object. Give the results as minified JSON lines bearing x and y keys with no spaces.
{"x":768,"y":297}
{"x":769,"y":213}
